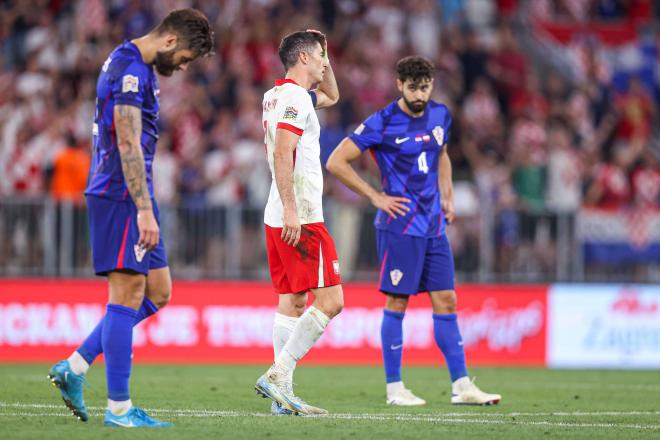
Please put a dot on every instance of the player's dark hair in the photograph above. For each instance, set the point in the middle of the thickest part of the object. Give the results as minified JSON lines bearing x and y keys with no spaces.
{"x":193,"y":29}
{"x":415,"y":68}
{"x":297,"y":42}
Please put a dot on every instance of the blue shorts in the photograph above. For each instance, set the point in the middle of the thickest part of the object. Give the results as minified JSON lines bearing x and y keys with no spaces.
{"x":114,"y":236}
{"x":409,"y":264}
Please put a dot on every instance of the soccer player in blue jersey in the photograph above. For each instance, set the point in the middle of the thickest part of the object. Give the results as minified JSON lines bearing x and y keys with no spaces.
{"x":408,"y":140}
{"x":127,"y":246}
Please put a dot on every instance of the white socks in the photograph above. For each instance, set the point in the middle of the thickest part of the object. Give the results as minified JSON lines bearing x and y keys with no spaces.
{"x":394,"y":387}
{"x":307,"y":331}
{"x":78,"y":364}
{"x":458,"y":385}
{"x":282,"y":328}
{"x":119,"y":408}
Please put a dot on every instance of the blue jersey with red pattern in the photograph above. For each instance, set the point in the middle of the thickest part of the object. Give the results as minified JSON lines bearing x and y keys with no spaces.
{"x":407,"y":151}
{"x":124,"y":79}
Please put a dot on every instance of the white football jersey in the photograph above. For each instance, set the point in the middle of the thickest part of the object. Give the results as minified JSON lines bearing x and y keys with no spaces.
{"x":289,"y":106}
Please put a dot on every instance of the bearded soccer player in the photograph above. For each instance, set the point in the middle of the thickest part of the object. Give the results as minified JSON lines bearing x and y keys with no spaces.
{"x":408,"y":140}
{"x":301,"y":253}
{"x":127,"y":246}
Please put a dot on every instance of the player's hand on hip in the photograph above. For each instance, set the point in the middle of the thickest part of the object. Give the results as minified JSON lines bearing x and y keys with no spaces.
{"x":448,"y":209}
{"x":149,"y":230}
{"x":393,"y":205}
{"x":291,"y":228}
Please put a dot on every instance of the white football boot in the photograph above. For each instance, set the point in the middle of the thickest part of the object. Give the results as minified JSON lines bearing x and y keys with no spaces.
{"x":399,"y":395}
{"x":465,"y":392}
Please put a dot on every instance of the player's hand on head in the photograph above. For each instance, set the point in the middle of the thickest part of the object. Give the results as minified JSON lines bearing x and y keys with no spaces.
{"x":291,"y":227}
{"x":324,"y":42}
{"x":148,"y":228}
{"x":394,"y":206}
{"x":448,"y":209}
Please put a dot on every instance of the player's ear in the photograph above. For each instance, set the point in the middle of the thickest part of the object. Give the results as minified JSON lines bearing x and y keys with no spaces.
{"x":399,"y":85}
{"x":303,"y":57}
{"x":170,"y":42}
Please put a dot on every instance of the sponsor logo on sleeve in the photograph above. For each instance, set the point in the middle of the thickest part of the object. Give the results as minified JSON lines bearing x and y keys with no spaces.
{"x":335,"y":266}
{"x":290,"y":113}
{"x":359,"y":129}
{"x":129,"y":83}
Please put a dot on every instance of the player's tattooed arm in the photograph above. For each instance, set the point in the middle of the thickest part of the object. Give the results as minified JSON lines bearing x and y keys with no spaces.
{"x":285,"y":144}
{"x":128,"y":127}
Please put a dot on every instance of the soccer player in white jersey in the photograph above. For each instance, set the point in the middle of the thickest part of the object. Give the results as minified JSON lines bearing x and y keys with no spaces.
{"x":301,"y":253}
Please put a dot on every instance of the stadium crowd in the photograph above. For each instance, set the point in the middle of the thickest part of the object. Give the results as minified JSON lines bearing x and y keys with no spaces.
{"x":529,"y":142}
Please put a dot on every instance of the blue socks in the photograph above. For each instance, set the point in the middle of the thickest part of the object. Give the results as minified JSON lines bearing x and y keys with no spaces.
{"x":117,"y":341}
{"x":448,"y":338}
{"x":391,"y":337}
{"x":91,"y":347}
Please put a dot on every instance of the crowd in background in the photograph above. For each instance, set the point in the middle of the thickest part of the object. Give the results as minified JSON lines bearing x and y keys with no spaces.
{"x":528,"y":141}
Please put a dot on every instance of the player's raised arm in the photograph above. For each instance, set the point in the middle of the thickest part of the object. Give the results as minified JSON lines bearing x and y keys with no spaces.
{"x":339,"y":165}
{"x":128,"y":126}
{"x":327,"y":93}
{"x":446,"y":185}
{"x":285,"y":144}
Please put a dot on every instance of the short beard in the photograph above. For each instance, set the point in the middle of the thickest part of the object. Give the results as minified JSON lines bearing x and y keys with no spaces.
{"x":164,"y":63}
{"x":416,"y":106}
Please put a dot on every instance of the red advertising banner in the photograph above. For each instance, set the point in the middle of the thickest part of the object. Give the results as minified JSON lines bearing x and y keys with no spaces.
{"x":231,"y":322}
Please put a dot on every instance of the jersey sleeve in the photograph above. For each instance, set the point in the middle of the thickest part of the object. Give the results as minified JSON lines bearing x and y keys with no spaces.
{"x":294,"y":112}
{"x":129,"y":85}
{"x":369,"y":134}
{"x":448,"y":126}
{"x":312,"y":94}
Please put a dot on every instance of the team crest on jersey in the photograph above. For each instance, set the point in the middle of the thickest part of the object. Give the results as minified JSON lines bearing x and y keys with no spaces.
{"x":439,"y":135}
{"x":129,"y":83}
{"x":359,"y":129}
{"x":139,"y":252}
{"x":335,"y":266}
{"x":395,"y":276}
{"x":290,"y":113}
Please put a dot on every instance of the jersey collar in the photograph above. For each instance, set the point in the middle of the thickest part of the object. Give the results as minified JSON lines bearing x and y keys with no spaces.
{"x":279,"y":82}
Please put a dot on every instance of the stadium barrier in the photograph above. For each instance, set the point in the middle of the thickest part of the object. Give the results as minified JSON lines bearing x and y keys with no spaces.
{"x":231,"y":322}
{"x":39,"y":237}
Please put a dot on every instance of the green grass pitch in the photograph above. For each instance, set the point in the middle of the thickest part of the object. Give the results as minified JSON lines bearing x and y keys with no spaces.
{"x":220,"y":402}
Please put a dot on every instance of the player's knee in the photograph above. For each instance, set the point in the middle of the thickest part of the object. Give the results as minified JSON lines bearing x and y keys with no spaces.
{"x":338,"y":305}
{"x":331,"y":306}
{"x":444,"y":302}
{"x":162,"y":298}
{"x":396,"y":303}
{"x":126,"y":290}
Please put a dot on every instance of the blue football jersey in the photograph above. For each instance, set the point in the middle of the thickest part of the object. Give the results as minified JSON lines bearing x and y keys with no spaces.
{"x":407,"y":151}
{"x":124,"y":79}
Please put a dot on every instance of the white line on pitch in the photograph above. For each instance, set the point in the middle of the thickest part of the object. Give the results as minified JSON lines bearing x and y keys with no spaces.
{"x":450,"y":414}
{"x":592,"y":386}
{"x":439,"y":418}
{"x":408,"y":418}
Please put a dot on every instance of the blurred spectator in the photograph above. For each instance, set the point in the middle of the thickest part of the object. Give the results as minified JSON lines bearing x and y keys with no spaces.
{"x":565,"y":174}
{"x":70,"y":169}
{"x":598,"y":148}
